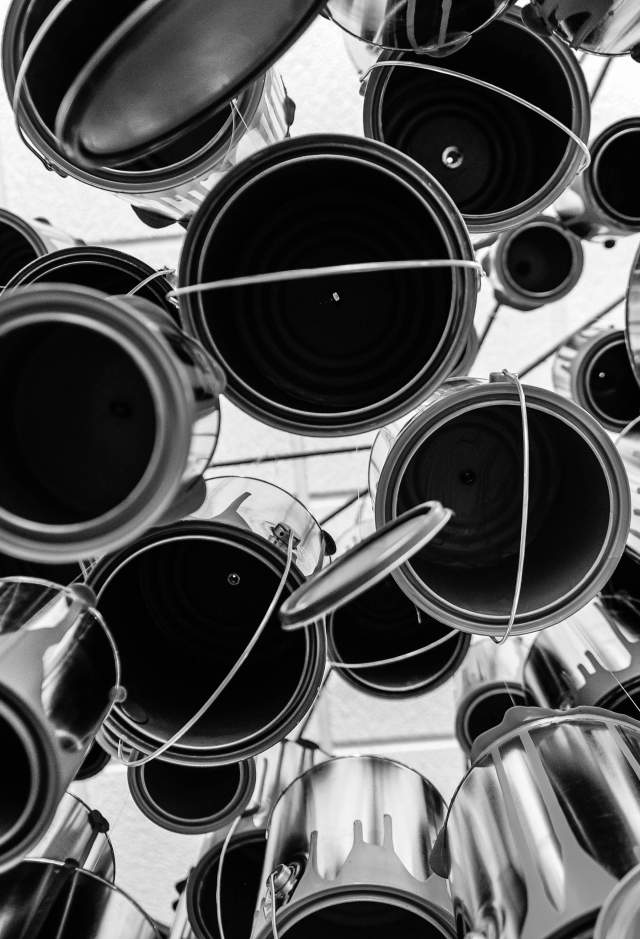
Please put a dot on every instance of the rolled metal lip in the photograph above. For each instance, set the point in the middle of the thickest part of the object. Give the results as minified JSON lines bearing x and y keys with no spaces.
{"x":40,"y":271}
{"x":252,"y":836}
{"x":187,"y":825}
{"x":158,"y":486}
{"x":268,"y":162}
{"x":30,"y":751}
{"x":592,"y":179}
{"x":608,"y":340}
{"x":119,"y":724}
{"x":526,"y":210}
{"x":123,"y":181}
{"x":496,"y":393}
{"x":467,"y":706}
{"x":81,"y":872}
{"x":573,"y":276}
{"x":23,"y":228}
{"x":95,"y":761}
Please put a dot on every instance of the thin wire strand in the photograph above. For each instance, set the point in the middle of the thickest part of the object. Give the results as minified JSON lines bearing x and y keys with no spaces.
{"x":613,"y":675}
{"x":525,"y":508}
{"x":223,"y":854}
{"x":229,"y":677}
{"x":490,"y":87}
{"x":143,"y":283}
{"x":307,"y":273}
{"x":493,"y":315}
{"x":397,"y":658}
{"x":274,"y":922}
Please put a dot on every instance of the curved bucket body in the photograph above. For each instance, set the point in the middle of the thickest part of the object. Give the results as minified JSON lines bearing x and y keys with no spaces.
{"x":92,"y":461}
{"x":536,"y":263}
{"x":22,"y":241}
{"x":603,"y":27}
{"x":371,"y":345}
{"x":58,"y":674}
{"x":483,"y":147}
{"x":186,"y":600}
{"x":544,"y":824}
{"x":349,"y":844}
{"x":488,"y":683}
{"x":593,"y":369}
{"x":465,"y":447}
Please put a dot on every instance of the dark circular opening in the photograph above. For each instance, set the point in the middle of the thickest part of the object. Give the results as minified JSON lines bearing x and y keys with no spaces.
{"x":472,"y":563}
{"x":364,"y":919}
{"x":611,"y":390}
{"x":18,"y":780}
{"x":539,"y":259}
{"x":77,"y":421}
{"x":192,"y":793}
{"x":94,"y":762}
{"x":180,"y":625}
{"x":615,"y":176}
{"x":241,"y":880}
{"x":113,"y":273}
{"x":383,"y":623}
{"x":425,"y":115}
{"x":15,"y":251}
{"x":490,"y":710}
{"x":327,"y":344}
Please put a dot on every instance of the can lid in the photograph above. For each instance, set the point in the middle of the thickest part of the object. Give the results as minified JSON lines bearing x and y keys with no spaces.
{"x":365,"y":565}
{"x":168,"y":67}
{"x":620,"y":914}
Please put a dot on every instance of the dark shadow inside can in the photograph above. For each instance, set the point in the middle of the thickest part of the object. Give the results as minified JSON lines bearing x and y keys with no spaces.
{"x":77,"y":421}
{"x":94,"y":762}
{"x":539,"y":259}
{"x":15,"y":251}
{"x":182,"y":612}
{"x":382,"y":623}
{"x":611,"y":390}
{"x":21,"y":776}
{"x":489,"y":711}
{"x":615,"y":176}
{"x":364,"y":919}
{"x":474,"y":465}
{"x":625,"y":700}
{"x":332,"y":344}
{"x":57,"y":573}
{"x":192,"y":792}
{"x":240,"y":884}
{"x":484,"y":148}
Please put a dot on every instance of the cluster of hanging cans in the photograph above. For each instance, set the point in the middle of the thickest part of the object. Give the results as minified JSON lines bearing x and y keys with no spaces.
{"x":158,"y":613}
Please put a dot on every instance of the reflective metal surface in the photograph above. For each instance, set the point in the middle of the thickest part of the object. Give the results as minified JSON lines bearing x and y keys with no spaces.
{"x":604,"y":27}
{"x":480,"y":145}
{"x":464,"y":447}
{"x":628,"y":444}
{"x":486,"y":685}
{"x":185,"y":601}
{"x":544,"y":824}
{"x":591,"y":659}
{"x":372,"y":204}
{"x":633,"y":316}
{"x":350,"y":841}
{"x":150,"y":395}
{"x":619,"y":917}
{"x":414,"y":24}
{"x":57,"y":678}
{"x":78,"y":833}
{"x":536,"y":263}
{"x":593,"y":369}
{"x":44,"y":899}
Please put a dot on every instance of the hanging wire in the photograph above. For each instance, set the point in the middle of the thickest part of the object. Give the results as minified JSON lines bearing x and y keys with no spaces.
{"x":228,"y":678}
{"x":345,"y":505}
{"x":272,"y":890}
{"x":600,"y":80}
{"x":595,"y":652}
{"x":397,"y":658}
{"x":525,"y":508}
{"x":223,"y":855}
{"x":490,"y":87}
{"x":493,"y":315}
{"x":163,"y":272}
{"x":307,"y":273}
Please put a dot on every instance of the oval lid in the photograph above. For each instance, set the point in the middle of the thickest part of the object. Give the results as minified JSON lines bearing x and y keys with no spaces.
{"x":364,"y":566}
{"x":170,"y":65}
{"x":619,"y":917}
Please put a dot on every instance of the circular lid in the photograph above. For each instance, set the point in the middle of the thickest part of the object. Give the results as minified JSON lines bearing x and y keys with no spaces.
{"x":167,"y":67}
{"x":364,"y":565}
{"x":620,"y":915}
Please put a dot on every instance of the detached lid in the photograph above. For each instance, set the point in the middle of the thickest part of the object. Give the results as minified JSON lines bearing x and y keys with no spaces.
{"x":620,"y":914}
{"x":364,"y":566}
{"x":168,"y":67}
